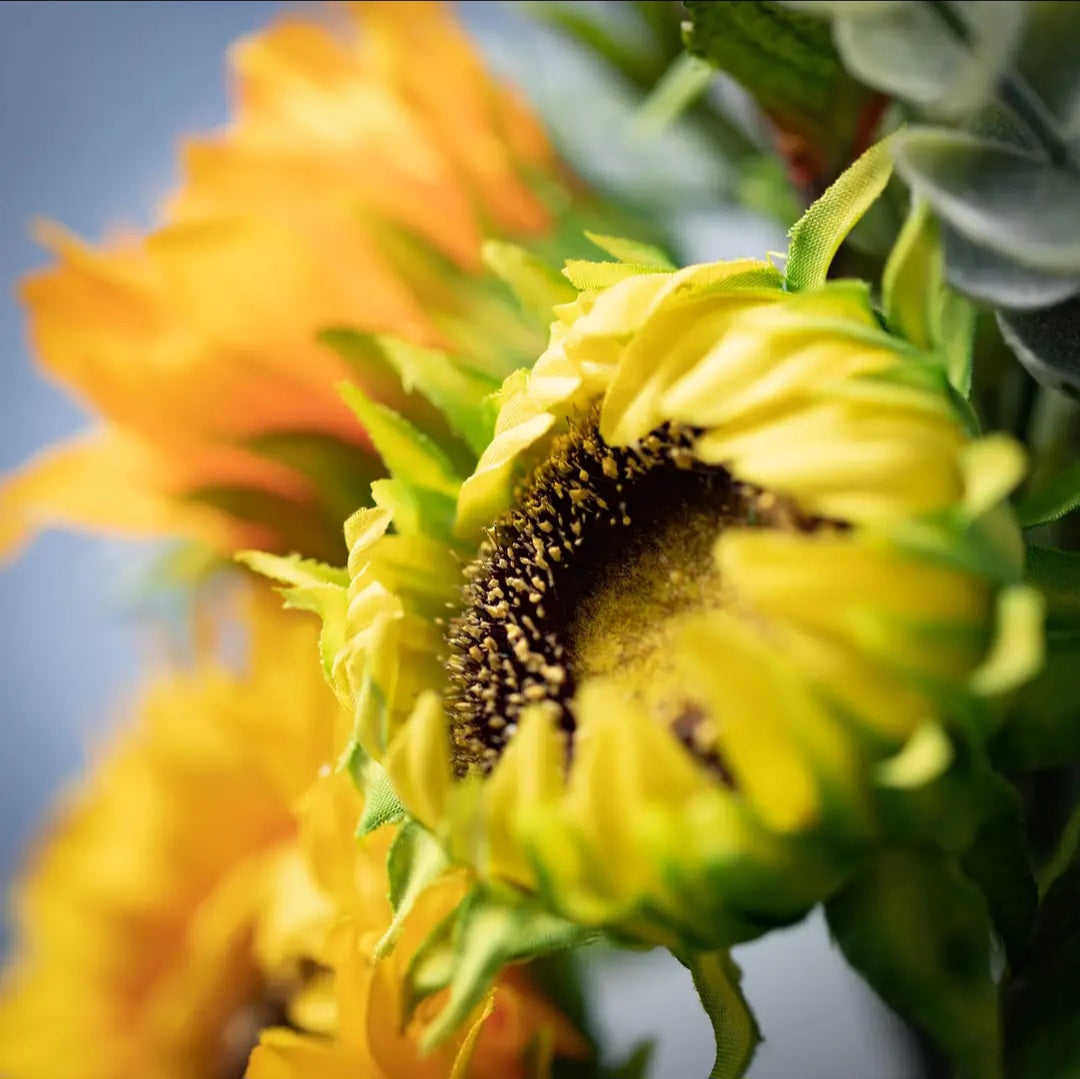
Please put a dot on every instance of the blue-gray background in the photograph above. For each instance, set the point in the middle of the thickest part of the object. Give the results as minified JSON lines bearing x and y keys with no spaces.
{"x":93,"y":97}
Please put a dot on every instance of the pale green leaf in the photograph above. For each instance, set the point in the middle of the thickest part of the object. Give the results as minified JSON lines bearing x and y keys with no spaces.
{"x":1045,"y":343}
{"x":996,"y":279}
{"x":909,"y":51}
{"x":999,"y":196}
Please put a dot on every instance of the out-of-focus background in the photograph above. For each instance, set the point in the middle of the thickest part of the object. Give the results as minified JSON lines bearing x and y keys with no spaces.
{"x":93,"y":98}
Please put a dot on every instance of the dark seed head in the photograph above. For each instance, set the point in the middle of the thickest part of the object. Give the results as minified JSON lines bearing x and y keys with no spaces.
{"x":588,"y":516}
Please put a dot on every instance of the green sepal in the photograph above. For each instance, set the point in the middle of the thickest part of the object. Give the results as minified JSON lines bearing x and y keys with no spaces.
{"x":920,"y":306}
{"x":1052,"y":499}
{"x":341,"y":472}
{"x":417,"y":511}
{"x":716,"y":979}
{"x":1042,"y":1022}
{"x":818,"y":234}
{"x":537,"y":286}
{"x":631,"y":251}
{"x":465,"y":953}
{"x":998,"y":862}
{"x":311,"y":586}
{"x":408,"y":453}
{"x":460,"y":391}
{"x":413,"y":863}
{"x":381,"y":803}
{"x":591,"y":276}
{"x":296,"y":525}
{"x":918,"y":930}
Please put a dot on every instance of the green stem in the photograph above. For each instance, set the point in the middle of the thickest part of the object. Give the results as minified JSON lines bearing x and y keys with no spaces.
{"x":716,"y":978}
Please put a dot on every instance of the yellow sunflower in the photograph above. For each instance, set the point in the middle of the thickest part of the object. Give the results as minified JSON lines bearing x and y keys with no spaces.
{"x":173,"y":913}
{"x":364,"y":166}
{"x":730,"y":581}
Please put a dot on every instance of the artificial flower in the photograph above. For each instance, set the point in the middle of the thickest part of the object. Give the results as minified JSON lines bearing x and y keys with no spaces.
{"x":173,"y":914}
{"x":363,"y":168}
{"x":352,"y":1024}
{"x":725,"y":577}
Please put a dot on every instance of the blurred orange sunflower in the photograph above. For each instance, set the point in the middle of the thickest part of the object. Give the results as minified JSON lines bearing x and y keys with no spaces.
{"x":175,"y":913}
{"x":364,"y":166}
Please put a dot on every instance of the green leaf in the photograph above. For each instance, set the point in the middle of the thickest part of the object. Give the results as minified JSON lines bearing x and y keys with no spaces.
{"x":1042,"y":726}
{"x":909,"y":51}
{"x":1045,"y":343}
{"x":632,"y":251}
{"x":1052,"y":499}
{"x":818,"y":234}
{"x":716,"y":978}
{"x":999,"y":280}
{"x":999,"y":196}
{"x":1067,"y":850}
{"x":786,"y":60}
{"x":413,"y":863}
{"x":918,"y":303}
{"x":1042,"y":1021}
{"x":998,"y":862}
{"x":857,"y":8}
{"x":1056,"y":574}
{"x":919,"y":931}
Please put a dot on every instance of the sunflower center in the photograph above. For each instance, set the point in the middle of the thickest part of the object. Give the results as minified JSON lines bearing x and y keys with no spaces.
{"x":606,"y":549}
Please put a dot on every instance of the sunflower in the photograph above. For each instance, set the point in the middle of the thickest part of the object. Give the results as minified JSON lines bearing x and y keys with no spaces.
{"x":348,"y":198}
{"x":174,"y":913}
{"x":729,"y":589}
